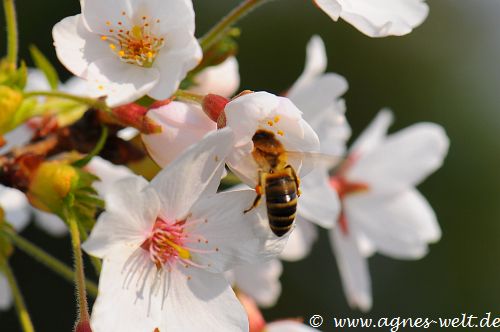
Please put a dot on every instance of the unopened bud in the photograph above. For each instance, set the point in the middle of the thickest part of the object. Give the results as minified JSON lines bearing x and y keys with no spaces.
{"x":10,"y":100}
{"x":213,"y":106}
{"x":83,"y":327}
{"x":50,"y":184}
{"x":134,"y":115}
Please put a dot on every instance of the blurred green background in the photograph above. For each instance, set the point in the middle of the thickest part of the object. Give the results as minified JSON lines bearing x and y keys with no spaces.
{"x":447,"y":71}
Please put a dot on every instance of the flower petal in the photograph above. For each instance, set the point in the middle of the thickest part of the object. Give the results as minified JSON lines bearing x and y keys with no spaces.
{"x":404,"y":159}
{"x":207,"y":297}
{"x":180,"y":54}
{"x":182,"y":126}
{"x":223,"y":79}
{"x":16,"y":207}
{"x":121,"y":82}
{"x":108,"y":173}
{"x":230,"y":236}
{"x":319,"y":203}
{"x":353,"y":268}
{"x":301,"y":240}
{"x":177,"y":14}
{"x":5,"y":294}
{"x":195,"y":173}
{"x":381,"y":18}
{"x":251,"y":107}
{"x":135,"y":296}
{"x":50,"y":223}
{"x":316,"y":62}
{"x":320,"y":94}
{"x":398,"y":225}
{"x":97,"y":13}
{"x":260,"y":281}
{"x":331,"y":7}
{"x":374,"y":134}
{"x":131,"y":210}
{"x":76,"y":47}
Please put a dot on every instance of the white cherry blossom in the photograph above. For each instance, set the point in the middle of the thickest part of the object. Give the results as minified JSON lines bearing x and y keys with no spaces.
{"x":130,"y":48}
{"x":378,"y":18}
{"x":264,"y":111}
{"x":166,"y":244}
{"x":381,"y":211}
{"x":318,"y":95}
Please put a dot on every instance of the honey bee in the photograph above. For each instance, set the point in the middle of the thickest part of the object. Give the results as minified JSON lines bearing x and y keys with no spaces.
{"x":277,"y":180}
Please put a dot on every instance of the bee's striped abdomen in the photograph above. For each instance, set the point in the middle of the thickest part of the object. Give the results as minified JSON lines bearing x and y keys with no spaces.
{"x":281,"y":200}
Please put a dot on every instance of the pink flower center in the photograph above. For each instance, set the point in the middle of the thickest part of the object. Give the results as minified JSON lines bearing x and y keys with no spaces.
{"x":174,"y":242}
{"x":166,"y":244}
{"x":344,"y":187}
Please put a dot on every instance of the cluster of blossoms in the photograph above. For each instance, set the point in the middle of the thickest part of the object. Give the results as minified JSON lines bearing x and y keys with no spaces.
{"x":151,"y":101}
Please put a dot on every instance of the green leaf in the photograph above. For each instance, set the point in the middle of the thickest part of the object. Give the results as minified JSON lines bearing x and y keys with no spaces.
{"x":42,"y":63}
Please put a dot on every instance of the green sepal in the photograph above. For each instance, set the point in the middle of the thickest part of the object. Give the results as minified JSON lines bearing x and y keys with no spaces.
{"x":42,"y":63}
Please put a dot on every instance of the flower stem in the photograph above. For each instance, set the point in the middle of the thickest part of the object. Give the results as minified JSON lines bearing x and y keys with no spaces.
{"x":212,"y":36}
{"x":12,"y":35}
{"x":22,"y":312}
{"x":97,"y":103}
{"x":81,"y":293}
{"x":184,"y":95}
{"x":49,"y":261}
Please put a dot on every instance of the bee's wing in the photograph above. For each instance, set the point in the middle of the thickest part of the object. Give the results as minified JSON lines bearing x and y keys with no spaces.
{"x":311,"y":160}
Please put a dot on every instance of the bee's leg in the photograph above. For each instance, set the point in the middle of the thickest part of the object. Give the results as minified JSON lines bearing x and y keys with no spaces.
{"x":258,"y":190}
{"x":295,"y":177}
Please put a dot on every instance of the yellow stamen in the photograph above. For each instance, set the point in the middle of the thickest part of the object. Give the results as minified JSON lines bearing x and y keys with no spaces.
{"x":270,"y":123}
{"x":277,"y":118}
{"x":137,"y":32}
{"x":104,"y":37}
{"x":112,"y":46}
{"x":150,"y":55}
{"x":121,"y":53}
{"x":280,"y":132}
{"x":183,"y":253}
{"x":108,"y":23}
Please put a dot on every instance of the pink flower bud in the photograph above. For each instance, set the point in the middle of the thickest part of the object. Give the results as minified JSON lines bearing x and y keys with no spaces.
{"x":134,"y":115}
{"x":213,"y":106}
{"x":83,"y":327}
